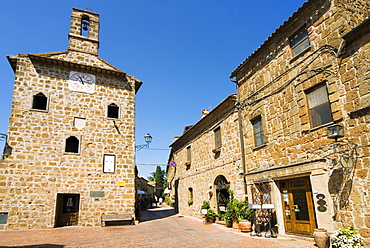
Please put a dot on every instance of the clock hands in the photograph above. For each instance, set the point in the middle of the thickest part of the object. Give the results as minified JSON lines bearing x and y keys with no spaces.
{"x":82,"y":81}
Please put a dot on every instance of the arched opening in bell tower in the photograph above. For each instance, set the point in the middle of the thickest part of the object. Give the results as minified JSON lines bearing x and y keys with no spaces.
{"x":85,"y":26}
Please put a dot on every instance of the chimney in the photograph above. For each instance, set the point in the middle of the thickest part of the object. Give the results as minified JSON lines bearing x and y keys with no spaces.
{"x":204,"y":112}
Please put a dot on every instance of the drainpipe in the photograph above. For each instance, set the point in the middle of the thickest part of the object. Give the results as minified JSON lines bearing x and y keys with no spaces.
{"x":240,"y":122}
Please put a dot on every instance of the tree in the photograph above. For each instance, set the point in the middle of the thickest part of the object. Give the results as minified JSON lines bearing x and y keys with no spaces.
{"x":159,"y":176}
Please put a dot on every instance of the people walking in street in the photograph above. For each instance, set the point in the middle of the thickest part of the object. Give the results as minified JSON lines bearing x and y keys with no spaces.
{"x":155,"y":200}
{"x":160,"y":201}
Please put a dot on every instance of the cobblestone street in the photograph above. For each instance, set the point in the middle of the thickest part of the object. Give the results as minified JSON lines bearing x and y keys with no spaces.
{"x":159,"y":227}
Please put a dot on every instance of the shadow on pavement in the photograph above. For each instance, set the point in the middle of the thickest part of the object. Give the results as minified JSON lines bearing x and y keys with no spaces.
{"x":156,"y":213}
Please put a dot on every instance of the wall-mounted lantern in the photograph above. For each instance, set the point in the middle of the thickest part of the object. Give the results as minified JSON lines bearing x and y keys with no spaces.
{"x":335,"y":131}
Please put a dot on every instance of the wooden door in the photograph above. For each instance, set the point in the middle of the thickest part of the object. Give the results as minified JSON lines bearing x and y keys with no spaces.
{"x":299,"y":216}
{"x":67,"y":209}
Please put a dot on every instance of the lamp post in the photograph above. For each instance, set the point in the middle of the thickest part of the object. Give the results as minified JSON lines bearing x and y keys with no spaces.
{"x":148,"y":140}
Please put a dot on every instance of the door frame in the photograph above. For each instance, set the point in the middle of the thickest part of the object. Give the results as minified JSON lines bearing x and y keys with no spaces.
{"x":292,"y":225}
{"x":67,"y":209}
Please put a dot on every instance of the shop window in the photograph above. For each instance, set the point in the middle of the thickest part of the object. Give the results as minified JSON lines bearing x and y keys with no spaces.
{"x":72,"y":144}
{"x":39,"y":102}
{"x":113,"y":111}
{"x":319,"y":106}
{"x":299,"y":41}
{"x":259,"y":136}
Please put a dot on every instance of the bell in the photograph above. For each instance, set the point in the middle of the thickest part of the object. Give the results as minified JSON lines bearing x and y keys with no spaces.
{"x":85,"y":25}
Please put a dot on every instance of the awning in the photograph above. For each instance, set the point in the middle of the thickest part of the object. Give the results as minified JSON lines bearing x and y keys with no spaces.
{"x":140,"y":192}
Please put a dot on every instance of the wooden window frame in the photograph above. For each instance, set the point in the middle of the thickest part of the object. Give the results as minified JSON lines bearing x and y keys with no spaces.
{"x":296,"y":43}
{"x":325,"y":105}
{"x":258,"y":120}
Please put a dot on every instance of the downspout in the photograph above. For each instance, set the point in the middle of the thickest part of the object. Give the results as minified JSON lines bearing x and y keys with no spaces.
{"x":241,"y":136}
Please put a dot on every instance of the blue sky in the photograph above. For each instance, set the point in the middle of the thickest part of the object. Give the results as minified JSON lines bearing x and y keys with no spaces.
{"x":183,"y":50}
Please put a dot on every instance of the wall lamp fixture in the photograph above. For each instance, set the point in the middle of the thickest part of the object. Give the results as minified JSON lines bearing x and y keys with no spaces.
{"x":148,"y":139}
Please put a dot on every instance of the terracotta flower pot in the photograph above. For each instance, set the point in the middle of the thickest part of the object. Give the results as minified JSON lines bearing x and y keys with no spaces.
{"x":321,"y":238}
{"x":235,"y":224}
{"x":245,"y":225}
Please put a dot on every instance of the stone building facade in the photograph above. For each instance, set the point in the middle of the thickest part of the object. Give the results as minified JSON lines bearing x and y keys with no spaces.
{"x":70,"y":154}
{"x":309,"y":76}
{"x":208,"y":161}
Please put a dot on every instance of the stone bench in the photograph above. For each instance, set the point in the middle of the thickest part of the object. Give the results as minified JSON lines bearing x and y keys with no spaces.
{"x":116,"y":218}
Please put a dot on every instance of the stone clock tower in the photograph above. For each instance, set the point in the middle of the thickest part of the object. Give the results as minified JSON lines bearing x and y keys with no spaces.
{"x":70,"y":153}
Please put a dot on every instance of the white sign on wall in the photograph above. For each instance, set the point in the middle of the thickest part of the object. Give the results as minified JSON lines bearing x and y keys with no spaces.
{"x":109,"y":163}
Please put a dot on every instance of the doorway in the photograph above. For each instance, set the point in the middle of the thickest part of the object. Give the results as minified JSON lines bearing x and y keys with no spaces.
{"x":298,"y":211}
{"x":67,"y":209}
{"x":222,"y":193}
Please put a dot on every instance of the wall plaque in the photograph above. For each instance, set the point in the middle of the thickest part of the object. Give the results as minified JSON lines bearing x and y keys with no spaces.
{"x":97,"y":193}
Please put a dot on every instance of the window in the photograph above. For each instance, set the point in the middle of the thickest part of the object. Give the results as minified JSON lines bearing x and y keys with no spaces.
{"x":113,"y":111}
{"x":188,"y":154}
{"x":72,"y":144}
{"x":299,"y":41}
{"x":190,"y":194}
{"x":259,"y":136}
{"x":39,"y":101}
{"x":218,"y":142}
{"x":319,"y":106}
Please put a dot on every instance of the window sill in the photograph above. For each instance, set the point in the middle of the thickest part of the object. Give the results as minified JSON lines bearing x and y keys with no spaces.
{"x":40,"y":110}
{"x":217,"y":150}
{"x":299,"y":54}
{"x":259,"y":147}
{"x":319,"y":127}
{"x":71,"y":153}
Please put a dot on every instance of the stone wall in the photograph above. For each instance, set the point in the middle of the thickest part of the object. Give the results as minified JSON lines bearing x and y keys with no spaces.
{"x":36,"y":168}
{"x":206,"y":165}
{"x":273,"y":84}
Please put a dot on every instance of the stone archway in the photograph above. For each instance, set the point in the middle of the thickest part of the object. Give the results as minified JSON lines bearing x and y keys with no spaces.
{"x":222,"y":193}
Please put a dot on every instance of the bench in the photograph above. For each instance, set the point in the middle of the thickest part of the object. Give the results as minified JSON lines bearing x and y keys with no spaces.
{"x":116,"y":218}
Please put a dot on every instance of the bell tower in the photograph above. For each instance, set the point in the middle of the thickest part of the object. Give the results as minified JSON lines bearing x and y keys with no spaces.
{"x":84,"y":32}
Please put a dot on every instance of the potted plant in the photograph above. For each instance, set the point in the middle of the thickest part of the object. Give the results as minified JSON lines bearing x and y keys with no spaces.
{"x":210,"y":193}
{"x":210,"y":216}
{"x":238,"y":212}
{"x":346,"y":237}
{"x":205,"y":206}
{"x":190,"y":202}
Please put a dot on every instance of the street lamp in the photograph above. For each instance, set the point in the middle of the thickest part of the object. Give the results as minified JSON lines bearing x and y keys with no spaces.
{"x":148,"y":140}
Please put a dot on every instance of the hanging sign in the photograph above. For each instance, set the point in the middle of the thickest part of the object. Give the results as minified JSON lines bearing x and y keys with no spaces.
{"x":173,"y":163}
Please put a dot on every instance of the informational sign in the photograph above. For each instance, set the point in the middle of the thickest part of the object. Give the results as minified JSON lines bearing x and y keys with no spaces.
{"x":173,"y":163}
{"x":109,"y":163}
{"x":97,"y":194}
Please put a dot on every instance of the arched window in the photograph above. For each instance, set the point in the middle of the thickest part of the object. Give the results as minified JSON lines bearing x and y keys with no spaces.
{"x":113,"y":111}
{"x":39,"y":101}
{"x":85,"y":25}
{"x":72,"y":144}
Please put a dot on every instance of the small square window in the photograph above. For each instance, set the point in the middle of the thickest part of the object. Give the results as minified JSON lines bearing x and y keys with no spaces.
{"x":72,"y":145}
{"x":39,"y":101}
{"x":113,"y":111}
{"x":319,"y":106}
{"x":259,"y":136}
{"x":299,"y":41}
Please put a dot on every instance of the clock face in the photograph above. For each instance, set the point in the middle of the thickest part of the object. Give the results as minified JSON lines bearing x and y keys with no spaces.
{"x":81,"y":82}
